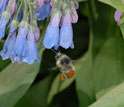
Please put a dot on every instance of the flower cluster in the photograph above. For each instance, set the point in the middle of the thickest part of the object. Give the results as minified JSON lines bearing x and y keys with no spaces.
{"x":20,"y":17}
{"x":59,"y":31}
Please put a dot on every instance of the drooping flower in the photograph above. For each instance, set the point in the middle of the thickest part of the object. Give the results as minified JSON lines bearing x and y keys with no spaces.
{"x":3,"y":4}
{"x":40,"y":3}
{"x":51,"y":38}
{"x":32,"y":51}
{"x":9,"y":44}
{"x":3,"y":21}
{"x":12,"y":5}
{"x":117,"y":16}
{"x":74,"y":15}
{"x":23,"y":48}
{"x":43,"y":12}
{"x":66,"y":32}
{"x":20,"y":46}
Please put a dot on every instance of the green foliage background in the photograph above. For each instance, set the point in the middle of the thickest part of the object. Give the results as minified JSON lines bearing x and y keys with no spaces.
{"x":99,"y":62}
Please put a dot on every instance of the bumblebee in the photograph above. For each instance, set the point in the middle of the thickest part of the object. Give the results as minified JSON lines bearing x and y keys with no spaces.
{"x":65,"y":65}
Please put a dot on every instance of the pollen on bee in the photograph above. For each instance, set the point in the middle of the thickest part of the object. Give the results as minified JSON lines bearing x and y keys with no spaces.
{"x":62,"y":77}
{"x":71,"y":74}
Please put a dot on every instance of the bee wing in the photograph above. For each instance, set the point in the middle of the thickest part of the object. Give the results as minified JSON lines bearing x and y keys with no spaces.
{"x":52,"y":69}
{"x":76,"y":61}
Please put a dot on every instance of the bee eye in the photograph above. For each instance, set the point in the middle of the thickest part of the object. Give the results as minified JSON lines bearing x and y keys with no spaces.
{"x":57,"y":57}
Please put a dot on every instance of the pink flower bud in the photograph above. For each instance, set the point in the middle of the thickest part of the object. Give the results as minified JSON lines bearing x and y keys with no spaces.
{"x":77,"y":4}
{"x":46,"y":0}
{"x":40,"y":3}
{"x":74,"y":15}
{"x":118,"y":14}
{"x":37,"y":33}
{"x":51,"y":2}
{"x":13,"y":6}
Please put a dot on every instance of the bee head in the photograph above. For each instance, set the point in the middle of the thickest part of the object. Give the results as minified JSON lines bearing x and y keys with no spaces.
{"x":58,"y":55}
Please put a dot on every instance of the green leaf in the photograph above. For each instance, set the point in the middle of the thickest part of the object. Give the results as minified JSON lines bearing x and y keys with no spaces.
{"x":103,"y":92}
{"x":107,"y":48}
{"x":84,"y":83}
{"x":122,"y":24}
{"x":37,"y":94}
{"x":114,"y":98}
{"x":58,"y":86}
{"x":100,"y":70}
{"x":118,"y":4}
{"x":4,"y":63}
{"x":108,"y":66}
{"x":15,"y":79}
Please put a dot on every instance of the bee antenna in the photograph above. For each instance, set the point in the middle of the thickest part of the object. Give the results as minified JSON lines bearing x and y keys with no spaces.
{"x":58,"y":50}
{"x":54,"y":51}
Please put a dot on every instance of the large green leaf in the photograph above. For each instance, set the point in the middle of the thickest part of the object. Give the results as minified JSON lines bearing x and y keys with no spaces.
{"x":104,"y":91}
{"x":84,"y":78}
{"x":15,"y":79}
{"x":108,"y":65}
{"x":114,"y":98}
{"x":118,"y":4}
{"x":37,"y":94}
{"x":107,"y":48}
{"x":101,"y":63}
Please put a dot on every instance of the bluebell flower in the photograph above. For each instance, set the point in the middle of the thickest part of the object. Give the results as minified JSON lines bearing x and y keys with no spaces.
{"x":32,"y":53}
{"x":66,"y":32}
{"x":3,"y":22}
{"x":66,"y":36}
{"x":3,"y":4}
{"x":44,"y":11}
{"x":51,"y":38}
{"x":9,"y":44}
{"x":21,"y":41}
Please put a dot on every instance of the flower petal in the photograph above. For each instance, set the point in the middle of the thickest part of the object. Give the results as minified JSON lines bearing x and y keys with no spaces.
{"x":66,"y":36}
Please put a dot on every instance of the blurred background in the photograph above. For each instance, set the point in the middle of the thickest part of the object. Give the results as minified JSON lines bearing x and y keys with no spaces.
{"x":98,"y":57}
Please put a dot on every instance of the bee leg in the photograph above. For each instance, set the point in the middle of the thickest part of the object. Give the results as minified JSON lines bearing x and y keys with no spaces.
{"x":62,"y":76}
